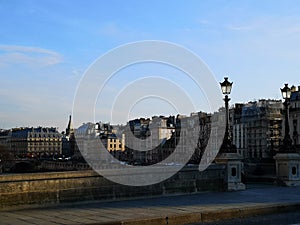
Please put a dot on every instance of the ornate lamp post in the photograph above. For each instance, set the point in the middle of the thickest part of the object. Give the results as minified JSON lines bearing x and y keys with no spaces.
{"x":227,"y":146}
{"x":286,"y":94}
{"x":287,"y":160}
{"x":228,"y":155}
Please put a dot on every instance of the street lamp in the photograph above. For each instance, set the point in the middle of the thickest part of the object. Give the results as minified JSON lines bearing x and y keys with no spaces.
{"x":227,"y":146}
{"x":286,"y":95}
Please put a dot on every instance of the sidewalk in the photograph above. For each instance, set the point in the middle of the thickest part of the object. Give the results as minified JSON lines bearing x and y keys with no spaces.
{"x":182,"y":209}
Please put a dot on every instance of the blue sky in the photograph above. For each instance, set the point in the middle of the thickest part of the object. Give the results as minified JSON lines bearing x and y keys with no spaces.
{"x":45,"y":47}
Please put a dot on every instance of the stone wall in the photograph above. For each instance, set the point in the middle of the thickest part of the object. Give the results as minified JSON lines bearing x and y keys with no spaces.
{"x":63,"y":187}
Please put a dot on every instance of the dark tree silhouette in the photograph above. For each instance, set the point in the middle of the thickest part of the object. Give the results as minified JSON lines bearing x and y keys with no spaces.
{"x":6,"y":157}
{"x":204,"y":134}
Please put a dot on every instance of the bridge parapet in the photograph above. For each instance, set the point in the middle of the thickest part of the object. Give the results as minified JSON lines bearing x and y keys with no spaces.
{"x":62,"y":187}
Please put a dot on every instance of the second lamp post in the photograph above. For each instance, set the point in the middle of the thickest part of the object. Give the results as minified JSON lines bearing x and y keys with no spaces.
{"x":227,"y":146}
{"x":286,"y":95}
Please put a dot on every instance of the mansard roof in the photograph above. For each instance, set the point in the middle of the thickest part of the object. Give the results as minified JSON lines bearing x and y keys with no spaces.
{"x":295,"y":96}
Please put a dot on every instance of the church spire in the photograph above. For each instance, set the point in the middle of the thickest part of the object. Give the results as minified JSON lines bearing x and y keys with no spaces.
{"x":69,"y":127}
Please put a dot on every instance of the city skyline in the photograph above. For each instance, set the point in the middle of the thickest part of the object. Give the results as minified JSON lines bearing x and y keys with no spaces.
{"x":46,"y":47}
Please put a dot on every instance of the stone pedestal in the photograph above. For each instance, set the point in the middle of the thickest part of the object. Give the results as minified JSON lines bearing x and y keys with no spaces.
{"x":287,"y":169}
{"x":233,"y":175}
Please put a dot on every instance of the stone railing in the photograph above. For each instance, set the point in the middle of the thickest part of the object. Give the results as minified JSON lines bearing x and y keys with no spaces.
{"x":63,"y":187}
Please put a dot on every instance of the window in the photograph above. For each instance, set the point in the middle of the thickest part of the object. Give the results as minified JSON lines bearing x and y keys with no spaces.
{"x":294,"y":170}
{"x":233,"y":171}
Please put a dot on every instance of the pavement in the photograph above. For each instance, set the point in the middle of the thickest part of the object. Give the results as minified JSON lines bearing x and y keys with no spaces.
{"x":286,"y":218}
{"x":164,"y":210}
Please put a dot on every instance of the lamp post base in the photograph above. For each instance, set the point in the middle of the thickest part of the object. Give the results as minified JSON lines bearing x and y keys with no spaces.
{"x":233,"y":176}
{"x":287,"y":169}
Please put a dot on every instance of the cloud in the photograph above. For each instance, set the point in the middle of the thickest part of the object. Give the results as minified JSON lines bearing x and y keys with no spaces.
{"x":28,"y":104}
{"x":110,"y":29}
{"x":241,"y":27}
{"x":29,"y":56}
{"x":203,"y":22}
{"x":120,"y":32}
{"x":273,"y":26}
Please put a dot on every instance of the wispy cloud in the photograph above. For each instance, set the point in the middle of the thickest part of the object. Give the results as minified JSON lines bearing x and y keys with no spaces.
{"x":28,"y":105}
{"x":110,"y":29}
{"x":30,"y":56}
{"x":248,"y":27}
{"x":120,"y":32}
{"x":278,"y":26}
{"x":203,"y":21}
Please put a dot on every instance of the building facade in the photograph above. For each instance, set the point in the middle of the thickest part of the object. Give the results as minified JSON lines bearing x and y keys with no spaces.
{"x":33,"y":142}
{"x":238,"y":129}
{"x":89,"y":135}
{"x":258,"y":130}
{"x":145,"y":138}
{"x":295,"y":117}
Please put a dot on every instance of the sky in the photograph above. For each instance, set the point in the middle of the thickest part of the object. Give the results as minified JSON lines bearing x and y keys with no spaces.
{"x":46,"y":47}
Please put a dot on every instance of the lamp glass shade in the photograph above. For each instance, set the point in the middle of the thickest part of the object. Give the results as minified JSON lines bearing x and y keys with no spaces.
{"x":226,"y":86}
{"x":286,"y":92}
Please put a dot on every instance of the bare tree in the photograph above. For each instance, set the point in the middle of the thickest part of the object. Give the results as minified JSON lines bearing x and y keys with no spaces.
{"x":204,"y":134}
{"x":6,"y":158}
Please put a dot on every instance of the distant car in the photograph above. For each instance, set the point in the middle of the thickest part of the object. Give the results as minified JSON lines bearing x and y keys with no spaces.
{"x":68,"y":158}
